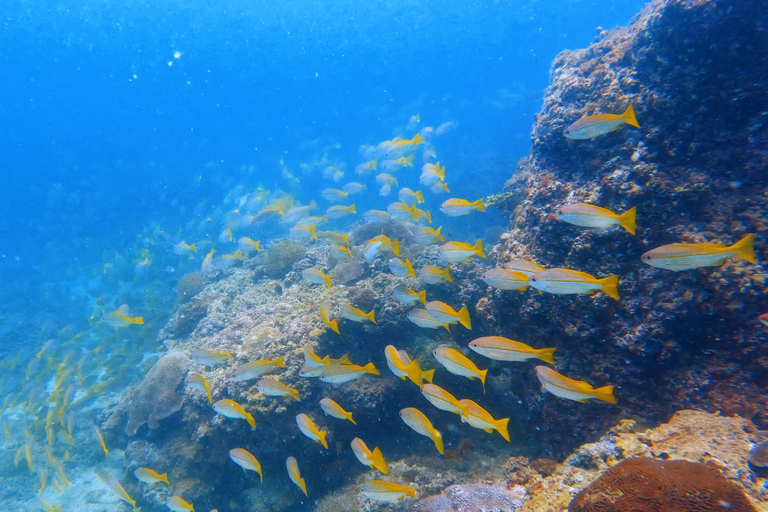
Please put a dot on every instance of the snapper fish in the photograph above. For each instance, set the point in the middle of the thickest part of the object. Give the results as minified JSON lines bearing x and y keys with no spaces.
{"x":207,"y":260}
{"x":331,"y":408}
{"x":150,"y":476}
{"x":304,"y":231}
{"x":458,"y":364}
{"x":366,"y":167}
{"x":272,"y":387}
{"x":401,"y":268}
{"x":255,"y":369}
{"x":316,"y":276}
{"x":478,"y":417}
{"x":454,"y":252}
{"x":523,"y":266}
{"x":208,"y":357}
{"x":367,"y":457}
{"x":402,"y":212}
{"x":338,"y":211}
{"x":350,"y":312}
{"x":442,"y":312}
{"x":353,"y":188}
{"x":677,"y":257}
{"x":337,"y":238}
{"x":375,"y":216}
{"x":589,"y":127}
{"x":385,"y":180}
{"x":431,"y":174}
{"x":563,"y":281}
{"x":455,"y":207}
{"x":121,"y":318}
{"x":246,"y":460}
{"x":402,"y":366}
{"x":340,"y":252}
{"x":297,"y":213}
{"x":315,"y":361}
{"x":231,"y":409}
{"x":294,"y":474}
{"x":504,"y":349}
{"x":426,"y":235}
{"x":409,"y":197}
{"x":332,"y":324}
{"x":442,"y":399}
{"x":115,"y":486}
{"x":386,"y":491}
{"x":407,"y":296}
{"x":424,"y":318}
{"x":184,"y":249}
{"x":570,"y":389}
{"x":503,"y":279}
{"x":589,"y":216}
{"x":423,"y":214}
{"x":199,"y":383}
{"x":334,"y":195}
{"x":420,"y":424}
{"x":430,"y":274}
{"x":439,"y":187}
{"x":177,"y":504}
{"x":396,"y":144}
{"x":309,"y":429}
{"x":342,"y":373}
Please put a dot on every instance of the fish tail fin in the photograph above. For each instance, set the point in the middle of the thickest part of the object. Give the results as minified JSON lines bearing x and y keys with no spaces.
{"x":502,"y":427}
{"x":377,"y":460}
{"x":312,"y":232}
{"x":302,"y":485}
{"x":261,"y":476}
{"x":409,"y":160}
{"x":414,"y":373}
{"x":447,"y":273}
{"x":210,"y":397}
{"x":281,"y":209}
{"x":605,"y":394}
{"x":371,"y":369}
{"x":352,"y":209}
{"x":629,"y":116}
{"x":437,"y":438}
{"x":371,"y":316}
{"x":409,"y":269}
{"x":279,"y":362}
{"x":349,"y":417}
{"x":609,"y":286}
{"x":419,"y":197}
{"x":745,"y":249}
{"x":422,"y":295}
{"x":312,"y":204}
{"x":327,"y":280}
{"x":396,"y":247}
{"x":164,"y":478}
{"x":627,"y":220}
{"x":479,"y":206}
{"x":483,"y":374}
{"x":464,"y":318}
{"x":321,"y":436}
{"x":250,"y":420}
{"x":324,"y":218}
{"x":294,"y":393}
{"x":478,"y":248}
{"x":428,"y":375}
{"x":545,"y":355}
{"x":334,"y":325}
{"x":417,"y":139}
{"x":139,"y":320}
{"x":414,"y":213}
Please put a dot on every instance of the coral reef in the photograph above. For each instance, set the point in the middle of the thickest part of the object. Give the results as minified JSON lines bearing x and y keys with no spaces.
{"x":281,"y":256}
{"x":488,"y":498}
{"x":660,"y":486}
{"x":189,"y":285}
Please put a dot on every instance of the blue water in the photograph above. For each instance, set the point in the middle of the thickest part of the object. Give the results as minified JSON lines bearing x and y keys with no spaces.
{"x":118,"y":117}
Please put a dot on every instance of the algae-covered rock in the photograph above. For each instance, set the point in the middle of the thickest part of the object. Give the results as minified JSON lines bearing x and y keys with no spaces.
{"x":281,"y":256}
{"x":188,"y":286}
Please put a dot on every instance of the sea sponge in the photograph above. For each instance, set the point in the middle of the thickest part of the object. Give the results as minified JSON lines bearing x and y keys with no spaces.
{"x":281,"y":257}
{"x":188,"y":286}
{"x":156,"y":398}
{"x":661,"y":486}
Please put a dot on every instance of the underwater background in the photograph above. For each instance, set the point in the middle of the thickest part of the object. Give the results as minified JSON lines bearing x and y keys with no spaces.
{"x":170,"y":171}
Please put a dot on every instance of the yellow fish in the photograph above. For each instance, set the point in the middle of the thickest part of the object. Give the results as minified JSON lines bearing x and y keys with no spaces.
{"x":442,"y":399}
{"x":563,"y":281}
{"x":293,"y":473}
{"x":245,"y":460}
{"x":454,"y":252}
{"x":439,"y":187}
{"x":48,"y":508}
{"x":458,"y":364}
{"x":407,"y":296}
{"x":316,"y":276}
{"x":415,"y":419}
{"x":386,"y":491}
{"x":247,"y":245}
{"x":255,"y":369}
{"x":207,"y":260}
{"x":100,"y":438}
{"x":347,"y":372}
{"x":150,"y":476}
{"x":577,"y":390}
{"x":409,"y":197}
{"x":589,"y":216}
{"x":177,"y":504}
{"x":120,"y":318}
{"x":199,"y":383}
{"x":455,"y":207}
{"x":232,"y":409}
{"x":424,"y":318}
{"x":237,"y":255}
{"x":183,"y":248}
{"x":478,"y":417}
{"x":401,"y":268}
{"x":309,"y":429}
{"x":402,"y":366}
{"x":334,"y":195}
{"x":375,"y":216}
{"x":503,"y":349}
{"x":337,"y":211}
{"x":442,"y":312}
{"x":337,"y":238}
{"x":402,"y":212}
{"x":208,"y":357}
{"x":340,"y":252}
{"x":503,"y":279}
{"x":394,"y":145}
{"x":272,"y":387}
{"x":426,"y":235}
{"x":303,"y":229}
{"x":367,"y":457}
{"x":315,"y":361}
{"x":332,"y":324}
{"x":115,"y":486}
{"x":423,"y":214}
{"x":589,"y":127}
{"x":430,"y":274}
{"x":356,"y":315}
{"x":523,"y":266}
{"x":331,"y":408}
{"x":678,"y":257}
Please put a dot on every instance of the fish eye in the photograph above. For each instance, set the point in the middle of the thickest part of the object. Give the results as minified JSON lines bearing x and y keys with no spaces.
{"x":533,"y":279}
{"x":559,"y":212}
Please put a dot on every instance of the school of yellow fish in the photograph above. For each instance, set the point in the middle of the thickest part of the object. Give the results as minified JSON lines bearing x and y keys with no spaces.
{"x":51,"y":409}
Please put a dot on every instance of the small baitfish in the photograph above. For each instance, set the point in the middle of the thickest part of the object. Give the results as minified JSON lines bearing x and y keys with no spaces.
{"x":442,"y":399}
{"x":416,"y":419}
{"x":246,"y":460}
{"x":294,"y":474}
{"x":570,"y":389}
{"x":255,"y":369}
{"x":589,"y":216}
{"x":456,"y":207}
{"x":272,"y":387}
{"x":503,"y":279}
{"x":589,"y":127}
{"x":350,"y":312}
{"x":678,"y":257}
{"x":150,"y":476}
{"x":563,"y":281}
{"x":316,"y":276}
{"x":407,"y":296}
{"x":386,"y":491}
{"x":454,"y":252}
{"x":231,"y":409}
{"x":374,"y":459}
{"x":458,"y":364}
{"x":347,"y":372}
{"x":331,"y":408}
{"x":309,"y":429}
{"x":478,"y":417}
{"x":503,"y":349}
{"x":208,"y":357}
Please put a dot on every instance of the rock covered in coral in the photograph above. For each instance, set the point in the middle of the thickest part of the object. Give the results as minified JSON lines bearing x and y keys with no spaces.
{"x":661,"y":486}
{"x":488,"y":498}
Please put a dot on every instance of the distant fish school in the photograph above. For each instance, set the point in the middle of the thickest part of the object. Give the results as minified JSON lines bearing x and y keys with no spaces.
{"x":319,"y":416}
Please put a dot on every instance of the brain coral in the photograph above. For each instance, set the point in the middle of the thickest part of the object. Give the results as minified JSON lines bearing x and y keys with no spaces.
{"x":652,"y":485}
{"x":156,"y":398}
